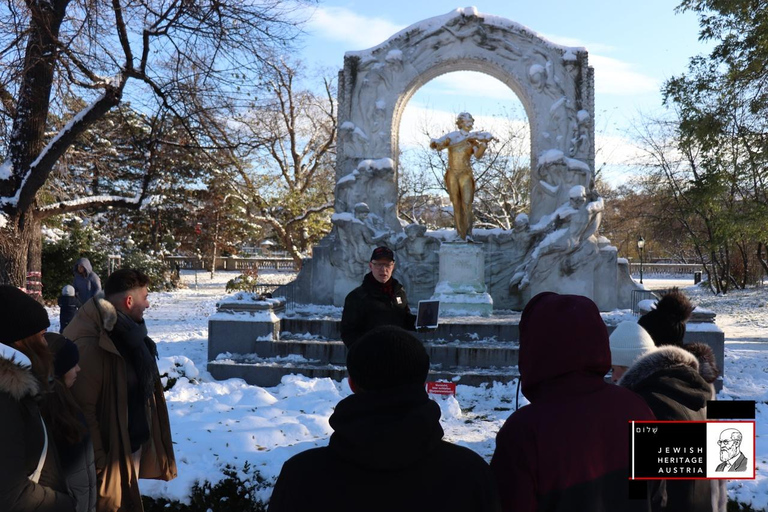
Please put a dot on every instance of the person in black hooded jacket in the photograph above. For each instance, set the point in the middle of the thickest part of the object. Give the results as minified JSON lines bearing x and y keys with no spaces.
{"x":380,"y":300}
{"x":386,"y":452}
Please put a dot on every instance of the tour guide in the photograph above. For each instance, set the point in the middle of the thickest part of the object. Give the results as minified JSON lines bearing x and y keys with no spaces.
{"x":380,"y":300}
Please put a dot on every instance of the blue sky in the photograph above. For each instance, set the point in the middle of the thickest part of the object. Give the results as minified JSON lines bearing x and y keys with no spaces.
{"x":633,"y":47}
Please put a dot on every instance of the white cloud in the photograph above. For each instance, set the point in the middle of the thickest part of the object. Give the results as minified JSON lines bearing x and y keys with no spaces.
{"x":616,"y":150}
{"x":613,"y":76}
{"x":471,"y":84}
{"x":343,"y":25}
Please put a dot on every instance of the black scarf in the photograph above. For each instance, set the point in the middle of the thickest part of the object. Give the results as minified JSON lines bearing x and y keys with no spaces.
{"x":130,"y":338}
{"x":138,"y":349}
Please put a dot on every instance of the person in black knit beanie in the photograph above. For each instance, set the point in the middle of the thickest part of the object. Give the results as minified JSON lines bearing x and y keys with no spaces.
{"x":387,"y":448}
{"x":26,"y":452}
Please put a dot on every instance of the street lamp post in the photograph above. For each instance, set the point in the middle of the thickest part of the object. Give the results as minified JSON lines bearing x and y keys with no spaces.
{"x":640,"y":247}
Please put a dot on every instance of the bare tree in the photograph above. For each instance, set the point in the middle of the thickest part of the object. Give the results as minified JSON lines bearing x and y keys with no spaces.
{"x":697,"y":188}
{"x":282,"y":157}
{"x":151,"y":52}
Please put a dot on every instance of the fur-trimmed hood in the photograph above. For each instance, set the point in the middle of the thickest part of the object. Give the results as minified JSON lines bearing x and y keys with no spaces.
{"x":707,"y":364}
{"x":16,"y":377}
{"x":96,"y":315}
{"x":668,"y":379}
{"x":664,"y":358}
{"x":94,"y":320}
{"x":107,"y":310}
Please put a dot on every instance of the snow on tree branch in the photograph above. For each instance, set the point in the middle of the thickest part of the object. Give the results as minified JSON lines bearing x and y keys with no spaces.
{"x":37,"y":174}
{"x":83,"y":203}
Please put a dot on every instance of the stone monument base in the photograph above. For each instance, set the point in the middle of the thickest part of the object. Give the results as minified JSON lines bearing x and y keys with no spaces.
{"x":461,"y":286}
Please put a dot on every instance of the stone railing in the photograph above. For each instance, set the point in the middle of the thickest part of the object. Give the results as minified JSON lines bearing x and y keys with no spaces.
{"x":231,"y":263}
{"x":665,"y":269}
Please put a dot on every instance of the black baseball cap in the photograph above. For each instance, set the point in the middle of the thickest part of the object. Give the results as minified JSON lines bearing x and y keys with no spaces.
{"x":383,"y":253}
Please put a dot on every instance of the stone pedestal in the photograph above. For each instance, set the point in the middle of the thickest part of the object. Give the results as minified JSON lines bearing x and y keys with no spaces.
{"x":461,"y":286}
{"x":240,"y":323}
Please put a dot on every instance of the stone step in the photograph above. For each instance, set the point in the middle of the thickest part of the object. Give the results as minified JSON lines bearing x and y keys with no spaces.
{"x":267,"y":372}
{"x":474,"y":354}
{"x":471,"y":349}
{"x":497,"y":328}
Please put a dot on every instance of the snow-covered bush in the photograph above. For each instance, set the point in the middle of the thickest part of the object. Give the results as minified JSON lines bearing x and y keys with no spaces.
{"x":246,"y":282}
{"x":160,"y":275}
{"x":174,"y":368}
{"x":237,"y":492}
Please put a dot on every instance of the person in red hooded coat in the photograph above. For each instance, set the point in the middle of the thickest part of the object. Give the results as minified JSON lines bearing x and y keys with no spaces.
{"x":569,"y":448}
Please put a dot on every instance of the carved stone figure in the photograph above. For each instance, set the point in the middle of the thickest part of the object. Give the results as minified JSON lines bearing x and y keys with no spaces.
{"x":570,"y":240}
{"x":462,"y":145}
{"x":360,"y":234}
{"x":553,"y":178}
{"x":507,"y":250}
{"x":372,"y":103}
{"x":419,"y":276}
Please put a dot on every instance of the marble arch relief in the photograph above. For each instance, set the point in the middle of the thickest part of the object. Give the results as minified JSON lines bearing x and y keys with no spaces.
{"x":554,"y":83}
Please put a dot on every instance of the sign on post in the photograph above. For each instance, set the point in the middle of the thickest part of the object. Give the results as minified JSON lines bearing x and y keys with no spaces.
{"x":441,"y":388}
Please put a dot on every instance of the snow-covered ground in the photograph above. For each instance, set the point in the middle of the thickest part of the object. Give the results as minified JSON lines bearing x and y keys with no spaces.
{"x":229,"y":422}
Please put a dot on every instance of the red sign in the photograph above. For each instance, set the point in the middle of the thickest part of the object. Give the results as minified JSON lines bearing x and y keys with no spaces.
{"x":441,"y":388}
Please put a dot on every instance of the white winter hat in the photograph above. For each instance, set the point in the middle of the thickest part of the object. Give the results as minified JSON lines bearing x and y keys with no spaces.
{"x":629,"y":341}
{"x":68,"y":291}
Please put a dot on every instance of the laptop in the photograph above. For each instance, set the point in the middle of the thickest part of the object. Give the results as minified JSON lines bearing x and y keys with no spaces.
{"x":427,"y":314}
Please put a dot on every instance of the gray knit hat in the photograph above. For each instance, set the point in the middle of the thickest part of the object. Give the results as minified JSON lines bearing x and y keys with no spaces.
{"x":629,"y":341}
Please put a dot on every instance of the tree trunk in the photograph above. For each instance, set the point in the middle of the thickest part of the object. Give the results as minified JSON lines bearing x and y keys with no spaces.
{"x":745,"y":263}
{"x":28,"y":135}
{"x":15,"y":239}
{"x":215,"y":243}
{"x":762,"y":259}
{"x":28,"y":139}
{"x":35,"y":260}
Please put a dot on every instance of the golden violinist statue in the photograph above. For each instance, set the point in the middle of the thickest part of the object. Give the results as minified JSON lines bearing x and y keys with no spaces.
{"x":462,"y":145}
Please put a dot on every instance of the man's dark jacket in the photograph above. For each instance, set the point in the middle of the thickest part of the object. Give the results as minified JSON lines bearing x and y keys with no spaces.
{"x":669,"y":380}
{"x":386,"y":454}
{"x":68,"y":307}
{"x":568,"y":450}
{"x":368,"y":306}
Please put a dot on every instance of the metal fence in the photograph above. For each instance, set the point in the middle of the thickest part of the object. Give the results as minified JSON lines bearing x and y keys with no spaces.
{"x":231,"y":263}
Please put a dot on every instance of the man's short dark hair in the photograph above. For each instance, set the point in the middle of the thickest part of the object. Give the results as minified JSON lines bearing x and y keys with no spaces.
{"x":387,"y":357}
{"x":123,"y":280}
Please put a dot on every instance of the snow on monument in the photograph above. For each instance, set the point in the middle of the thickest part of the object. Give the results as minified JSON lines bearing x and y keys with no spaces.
{"x":555,"y":249}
